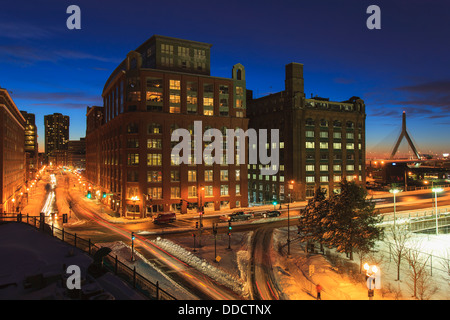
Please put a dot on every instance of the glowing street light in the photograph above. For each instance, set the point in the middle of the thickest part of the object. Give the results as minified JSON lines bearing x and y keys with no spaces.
{"x":373,"y":279}
{"x":134,"y":198}
{"x":394,"y":191}
{"x":436,"y":190}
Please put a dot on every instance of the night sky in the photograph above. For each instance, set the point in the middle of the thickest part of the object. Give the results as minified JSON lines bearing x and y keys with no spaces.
{"x":404,"y":66}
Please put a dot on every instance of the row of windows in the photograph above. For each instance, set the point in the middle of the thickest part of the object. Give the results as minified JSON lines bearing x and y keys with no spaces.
{"x":336,"y":123}
{"x":175,"y":192}
{"x":336,"y":167}
{"x":155,"y":159}
{"x":336,"y":178}
{"x":336,"y":135}
{"x":156,"y":128}
{"x":157,"y":176}
{"x":336,"y":145}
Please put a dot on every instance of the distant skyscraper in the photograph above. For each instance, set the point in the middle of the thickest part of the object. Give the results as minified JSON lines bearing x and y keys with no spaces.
{"x":31,"y":144}
{"x":56,"y":138}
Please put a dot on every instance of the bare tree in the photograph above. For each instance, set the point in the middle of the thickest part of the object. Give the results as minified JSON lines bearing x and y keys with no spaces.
{"x":397,"y":239}
{"x":445,"y":263}
{"x":422,"y":287}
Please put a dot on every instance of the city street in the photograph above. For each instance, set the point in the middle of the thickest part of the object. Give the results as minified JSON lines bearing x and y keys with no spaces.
{"x":87,"y":218}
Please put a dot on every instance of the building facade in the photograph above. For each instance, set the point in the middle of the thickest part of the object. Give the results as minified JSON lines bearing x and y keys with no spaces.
{"x":77,"y":153}
{"x":31,"y":145}
{"x":164,"y":85}
{"x":321,"y":141}
{"x":12,"y":154}
{"x":56,"y":138}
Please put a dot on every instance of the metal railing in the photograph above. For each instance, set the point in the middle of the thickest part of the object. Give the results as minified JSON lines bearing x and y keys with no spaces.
{"x":110,"y":262}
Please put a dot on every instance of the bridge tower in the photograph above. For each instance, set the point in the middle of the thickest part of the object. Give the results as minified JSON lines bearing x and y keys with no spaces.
{"x":404,"y":134}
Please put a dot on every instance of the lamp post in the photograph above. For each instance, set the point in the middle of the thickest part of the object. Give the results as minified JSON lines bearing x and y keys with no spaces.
{"x":394,"y":191}
{"x":132,"y":246}
{"x":291,"y":186}
{"x":202,"y":189}
{"x":436,"y":190}
{"x":134,"y":198}
{"x":372,"y":279}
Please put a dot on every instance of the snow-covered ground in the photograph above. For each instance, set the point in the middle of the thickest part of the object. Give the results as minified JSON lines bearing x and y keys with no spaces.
{"x":298,"y":280}
{"x":26,"y":251}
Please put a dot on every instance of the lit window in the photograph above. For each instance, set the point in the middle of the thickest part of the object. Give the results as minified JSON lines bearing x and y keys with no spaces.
{"x":192,"y":175}
{"x":192,"y":191}
{"x":223,"y":175}
{"x":155,"y":192}
{"x":133,"y":159}
{"x":175,"y":193}
{"x":309,"y":145}
{"x":208,"y":191}
{"x":154,"y":159}
{"x":310,"y":179}
{"x":154,"y":176}
{"x":223,"y":190}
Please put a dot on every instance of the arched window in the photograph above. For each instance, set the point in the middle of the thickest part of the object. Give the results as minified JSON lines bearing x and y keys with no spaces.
{"x":309,"y":122}
{"x":337,"y":124}
{"x":350,"y":125}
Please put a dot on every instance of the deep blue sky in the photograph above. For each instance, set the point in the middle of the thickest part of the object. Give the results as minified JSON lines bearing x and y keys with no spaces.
{"x":403,"y":66}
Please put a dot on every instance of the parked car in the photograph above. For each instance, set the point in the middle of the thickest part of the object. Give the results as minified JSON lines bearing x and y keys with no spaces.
{"x":240,"y":216}
{"x":224,"y":217}
{"x":273,"y":213}
{"x":165,"y":217}
{"x":258,"y":214}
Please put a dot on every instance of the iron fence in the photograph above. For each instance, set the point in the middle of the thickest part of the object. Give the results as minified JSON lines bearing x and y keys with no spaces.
{"x":110,"y":262}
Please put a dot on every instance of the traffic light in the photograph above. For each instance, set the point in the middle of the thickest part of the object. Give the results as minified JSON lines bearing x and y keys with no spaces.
{"x":89,"y":195}
{"x":104,"y":195}
{"x":196,"y":225}
{"x":64,"y":217}
{"x":132,"y":236}
{"x":275,"y":203}
{"x":229,"y":228}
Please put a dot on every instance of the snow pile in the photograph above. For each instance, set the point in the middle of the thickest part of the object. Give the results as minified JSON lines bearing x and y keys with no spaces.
{"x":202,"y":265}
{"x":147,"y":269}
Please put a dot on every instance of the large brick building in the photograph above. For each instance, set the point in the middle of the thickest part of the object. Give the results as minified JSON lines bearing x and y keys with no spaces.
{"x":321,"y":141}
{"x":12,"y":154}
{"x":163,"y":85}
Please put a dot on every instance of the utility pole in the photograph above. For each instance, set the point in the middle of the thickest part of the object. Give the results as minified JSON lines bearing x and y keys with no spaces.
{"x":215,"y":241}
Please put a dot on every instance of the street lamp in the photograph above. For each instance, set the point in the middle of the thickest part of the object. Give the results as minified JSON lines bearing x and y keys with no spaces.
{"x":373,"y":279}
{"x":134,"y":198}
{"x":436,"y":190}
{"x":291,"y":186}
{"x":395,"y":191}
{"x":132,"y":246}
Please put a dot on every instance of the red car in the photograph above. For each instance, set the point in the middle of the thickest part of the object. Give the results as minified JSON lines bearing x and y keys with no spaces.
{"x":165,"y":217}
